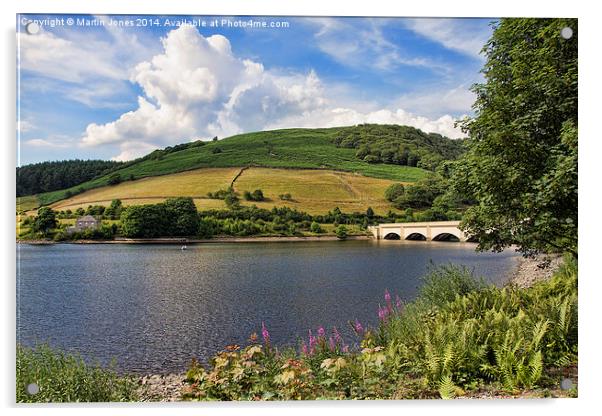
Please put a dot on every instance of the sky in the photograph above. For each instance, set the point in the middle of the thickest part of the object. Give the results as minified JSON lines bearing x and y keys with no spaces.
{"x":117,"y":87}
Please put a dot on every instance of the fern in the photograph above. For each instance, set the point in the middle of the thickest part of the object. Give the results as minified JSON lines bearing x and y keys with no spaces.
{"x":447,"y":388}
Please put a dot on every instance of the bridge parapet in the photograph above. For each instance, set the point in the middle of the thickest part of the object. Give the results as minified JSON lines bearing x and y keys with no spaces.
{"x":430,"y":231}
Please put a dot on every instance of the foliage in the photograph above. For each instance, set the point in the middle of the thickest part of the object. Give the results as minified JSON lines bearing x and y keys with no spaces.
{"x":399,"y":145}
{"x":44,"y":221}
{"x":256,"y":195}
{"x":183,"y":216}
{"x":144,"y":221}
{"x":114,"y":210}
{"x":521,"y":164}
{"x":457,"y":336}
{"x":52,"y":176}
{"x":442,"y":284}
{"x":114,"y":179}
{"x":66,"y":378}
{"x":174,"y":217}
{"x":394,"y":191}
{"x":286,"y":197}
{"x":315,"y":228}
{"x":341,"y":232}
{"x":421,"y":194}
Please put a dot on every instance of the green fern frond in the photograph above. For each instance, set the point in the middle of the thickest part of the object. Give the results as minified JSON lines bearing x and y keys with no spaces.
{"x":447,"y":388}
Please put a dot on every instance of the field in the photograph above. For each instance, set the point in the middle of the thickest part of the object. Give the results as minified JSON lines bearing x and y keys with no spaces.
{"x":291,"y":148}
{"x":313,"y":191}
{"x":26,"y":203}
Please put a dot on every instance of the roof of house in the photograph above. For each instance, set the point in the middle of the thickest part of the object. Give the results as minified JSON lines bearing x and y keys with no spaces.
{"x":87,"y":218}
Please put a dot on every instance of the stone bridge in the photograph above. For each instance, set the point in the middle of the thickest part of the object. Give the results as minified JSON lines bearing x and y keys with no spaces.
{"x":429,"y":231}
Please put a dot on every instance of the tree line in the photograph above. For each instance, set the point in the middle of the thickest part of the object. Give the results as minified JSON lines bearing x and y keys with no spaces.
{"x":52,"y":176}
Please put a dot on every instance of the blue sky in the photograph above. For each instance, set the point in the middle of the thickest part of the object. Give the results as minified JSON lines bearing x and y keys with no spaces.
{"x":125,"y":85}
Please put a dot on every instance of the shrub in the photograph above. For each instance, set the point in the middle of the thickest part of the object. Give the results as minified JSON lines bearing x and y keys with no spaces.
{"x":394,"y":191}
{"x":341,"y":232}
{"x":256,"y":195}
{"x":315,"y":228}
{"x":285,"y":197}
{"x":442,"y":284}
{"x":114,"y":179}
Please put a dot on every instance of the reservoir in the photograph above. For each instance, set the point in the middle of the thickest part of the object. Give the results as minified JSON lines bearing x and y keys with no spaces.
{"x":152,"y":308}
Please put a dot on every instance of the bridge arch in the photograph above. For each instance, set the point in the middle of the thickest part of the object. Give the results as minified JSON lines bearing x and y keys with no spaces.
{"x":392,"y":236}
{"x":448,"y":236}
{"x":416,"y":237}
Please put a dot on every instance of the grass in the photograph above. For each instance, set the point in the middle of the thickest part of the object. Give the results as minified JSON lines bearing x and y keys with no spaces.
{"x":66,"y":378}
{"x":289,"y":148}
{"x":313,"y":191}
{"x":27,"y":203}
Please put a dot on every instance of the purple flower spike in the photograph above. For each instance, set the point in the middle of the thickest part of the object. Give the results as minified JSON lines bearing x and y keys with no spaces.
{"x":312,"y":343}
{"x":331,"y":344}
{"x":337,"y":337}
{"x":387,"y":296}
{"x":345,"y":348}
{"x":398,"y":303}
{"x":304,"y":349}
{"x":359,"y":329}
{"x":321,"y":332}
{"x":265,"y":333}
{"x":382,"y":313}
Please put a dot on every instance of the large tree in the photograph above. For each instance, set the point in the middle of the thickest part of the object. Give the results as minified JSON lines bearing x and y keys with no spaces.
{"x":45,"y":220}
{"x":521,"y":164}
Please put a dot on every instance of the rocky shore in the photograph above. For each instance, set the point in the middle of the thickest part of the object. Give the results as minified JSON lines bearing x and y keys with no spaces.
{"x":531,"y":270}
{"x":161,"y":388}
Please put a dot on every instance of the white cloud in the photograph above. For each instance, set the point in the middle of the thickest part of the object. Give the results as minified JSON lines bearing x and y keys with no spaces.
{"x":432,"y":103}
{"x":364,"y":45}
{"x":133,"y":150}
{"x":90,"y":68}
{"x":55,"y":141}
{"x":347,"y":116}
{"x":455,"y":34}
{"x":25,"y":126}
{"x":196,"y":87}
{"x":51,"y":56}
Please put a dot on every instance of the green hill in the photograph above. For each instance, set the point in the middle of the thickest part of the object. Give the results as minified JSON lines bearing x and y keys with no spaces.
{"x":289,"y":148}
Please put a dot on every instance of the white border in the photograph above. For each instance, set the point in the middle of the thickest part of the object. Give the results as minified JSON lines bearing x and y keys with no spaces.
{"x":589,"y":90}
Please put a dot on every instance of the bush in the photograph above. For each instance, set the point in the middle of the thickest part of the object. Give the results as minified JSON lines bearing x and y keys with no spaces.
{"x":66,"y":378}
{"x":442,"y":284}
{"x":341,"y":232}
{"x":394,"y":191}
{"x":256,"y":195}
{"x":114,"y":179}
{"x":285,"y":197}
{"x":315,"y":228}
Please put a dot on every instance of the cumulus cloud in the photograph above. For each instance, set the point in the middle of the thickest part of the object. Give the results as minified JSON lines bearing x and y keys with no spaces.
{"x":198,"y":88}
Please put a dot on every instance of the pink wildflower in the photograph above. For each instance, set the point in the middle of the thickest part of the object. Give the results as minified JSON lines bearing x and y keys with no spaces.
{"x":321,"y":332}
{"x":265,"y":334}
{"x":359,"y":329}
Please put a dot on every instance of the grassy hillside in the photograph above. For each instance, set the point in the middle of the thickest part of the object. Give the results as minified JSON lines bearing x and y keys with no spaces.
{"x":313,"y":191}
{"x":290,"y":148}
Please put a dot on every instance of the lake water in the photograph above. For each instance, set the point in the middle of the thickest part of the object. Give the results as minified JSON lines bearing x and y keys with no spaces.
{"x":152,"y":308}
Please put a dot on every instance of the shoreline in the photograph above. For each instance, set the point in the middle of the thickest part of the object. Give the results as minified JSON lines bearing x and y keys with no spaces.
{"x":264,"y":239}
{"x":527,"y":271}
